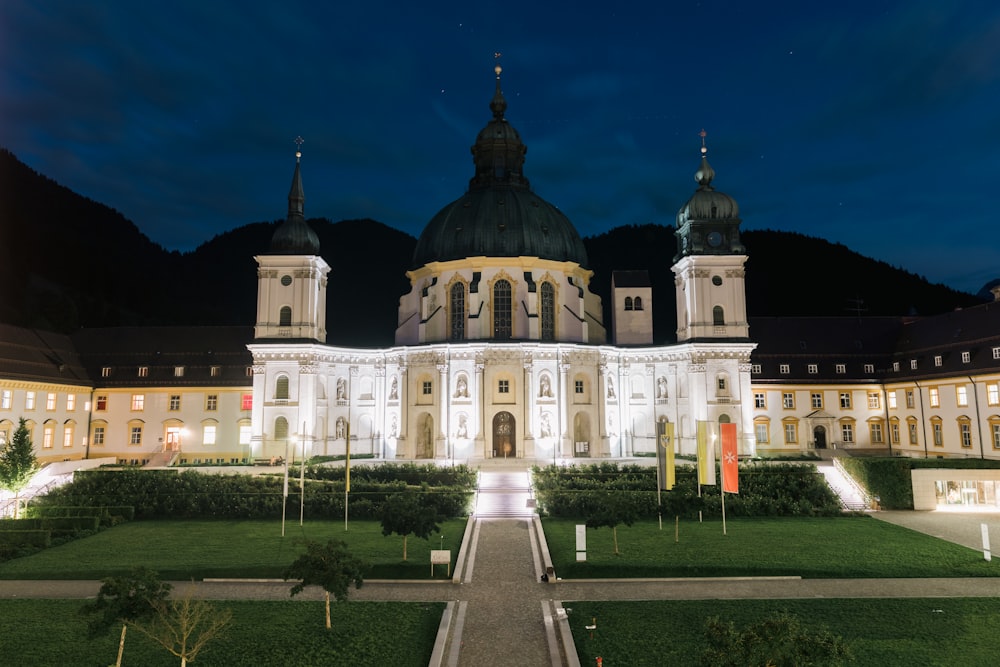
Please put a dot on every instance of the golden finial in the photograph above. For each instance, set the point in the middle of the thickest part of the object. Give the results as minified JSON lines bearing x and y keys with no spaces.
{"x":703,"y":134}
{"x":298,"y":147}
{"x":497,"y":69}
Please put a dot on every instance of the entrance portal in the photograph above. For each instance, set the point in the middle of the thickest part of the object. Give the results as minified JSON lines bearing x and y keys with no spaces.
{"x":504,"y":430}
{"x":819,"y":437}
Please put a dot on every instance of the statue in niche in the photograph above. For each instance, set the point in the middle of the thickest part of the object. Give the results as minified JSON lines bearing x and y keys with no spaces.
{"x":661,"y":387}
{"x":427,"y":438}
{"x":544,"y":387}
{"x":394,"y":390}
{"x":546,"y":425}
{"x":341,"y":389}
{"x":611,"y":424}
{"x":461,"y":387}
{"x":463,"y":427}
{"x":611,"y":387}
{"x":341,"y":429}
{"x":393,"y":426}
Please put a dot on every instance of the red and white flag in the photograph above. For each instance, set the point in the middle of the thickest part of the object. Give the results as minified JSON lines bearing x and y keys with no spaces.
{"x":730,"y":459}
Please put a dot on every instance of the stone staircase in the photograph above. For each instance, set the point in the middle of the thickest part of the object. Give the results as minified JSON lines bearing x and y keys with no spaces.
{"x":852,"y":497}
{"x":504,"y":495}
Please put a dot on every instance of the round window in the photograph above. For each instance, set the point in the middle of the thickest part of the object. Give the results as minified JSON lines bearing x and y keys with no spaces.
{"x":716,"y":280}
{"x":286,"y":280}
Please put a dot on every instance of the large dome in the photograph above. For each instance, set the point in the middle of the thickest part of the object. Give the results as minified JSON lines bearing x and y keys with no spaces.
{"x":499,"y":216}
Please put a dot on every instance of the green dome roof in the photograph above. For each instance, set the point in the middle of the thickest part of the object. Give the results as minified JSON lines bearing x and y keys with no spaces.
{"x":499,"y":216}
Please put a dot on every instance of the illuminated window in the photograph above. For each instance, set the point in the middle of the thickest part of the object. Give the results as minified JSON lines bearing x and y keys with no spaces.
{"x":50,"y":401}
{"x":934,"y":397}
{"x":966,"y":357}
{"x":996,"y":353}
{"x":208,"y":434}
{"x":246,"y":402}
{"x":841,"y":369}
{"x":869,"y":369}
{"x":245,"y":433}
{"x":48,"y":433}
{"x":457,"y":314}
{"x":174,"y":403}
{"x":101,"y":403}
{"x":847,"y":432}
{"x":783,"y":369}
{"x":68,"y":435}
{"x":502,"y":322}
{"x":937,"y":360}
{"x":106,"y":371}
{"x":993,"y":394}
{"x":138,"y":402}
{"x":755,"y":369}
{"x":70,"y":402}
{"x":891,"y":397}
{"x":211,"y":403}
{"x":813,"y":369}
{"x":29,"y":400}
{"x":178,"y":371}
{"x":143,"y":371}
{"x":962,"y":396}
{"x":913,"y":364}
{"x":548,"y":314}
{"x":5,"y":399}
{"x":215,"y":371}
{"x":965,"y":432}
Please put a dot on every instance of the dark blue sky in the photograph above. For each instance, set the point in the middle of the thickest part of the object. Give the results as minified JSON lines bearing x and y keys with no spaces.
{"x":870,"y":123}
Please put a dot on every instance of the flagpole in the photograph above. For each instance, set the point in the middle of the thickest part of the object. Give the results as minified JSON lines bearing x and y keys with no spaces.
{"x":302,"y":477}
{"x":284,"y":492}
{"x":722,"y":493}
{"x":347,"y":474}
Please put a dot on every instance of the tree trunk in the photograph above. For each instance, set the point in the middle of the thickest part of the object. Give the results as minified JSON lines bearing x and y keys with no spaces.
{"x":328,"y":624}
{"x":17,"y":504}
{"x":614,"y":532}
{"x":121,"y":646}
{"x":404,"y":547}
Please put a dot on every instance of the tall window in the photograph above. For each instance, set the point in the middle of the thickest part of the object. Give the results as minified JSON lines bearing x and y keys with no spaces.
{"x":246,"y":402}
{"x":791,"y":433}
{"x":761,"y":432}
{"x":280,"y":428}
{"x":894,"y":433}
{"x":845,"y":400}
{"x":208,"y":434}
{"x":98,"y":435}
{"x":875,"y":429}
{"x":211,"y":402}
{"x":909,"y":398}
{"x":135,"y":435}
{"x":174,"y":403}
{"x":502,"y":326}
{"x":993,"y":394}
{"x":892,"y":399}
{"x":911,"y":429}
{"x":285,"y":316}
{"x":458,"y":311}
{"x":281,"y":387}
{"x":934,"y":397}
{"x":847,"y":432}
{"x":70,"y":402}
{"x":101,"y":403}
{"x":718,"y":316}
{"x":816,"y":400}
{"x":962,"y":396}
{"x":938,"y":435}
{"x":138,"y":402}
{"x":50,"y":401}
{"x":548,"y":311}
{"x":628,"y":303}
{"x":638,"y":303}
{"x":965,"y":430}
{"x":29,"y":400}
{"x":5,"y":399}
{"x":759,"y":399}
{"x":788,"y":400}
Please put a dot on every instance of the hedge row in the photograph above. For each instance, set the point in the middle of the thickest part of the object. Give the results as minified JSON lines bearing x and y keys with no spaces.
{"x":157,"y":494}
{"x":765,"y":490}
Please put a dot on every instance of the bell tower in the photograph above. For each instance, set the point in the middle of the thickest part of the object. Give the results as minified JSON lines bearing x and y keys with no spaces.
{"x":291,"y":277}
{"x":709,"y":266}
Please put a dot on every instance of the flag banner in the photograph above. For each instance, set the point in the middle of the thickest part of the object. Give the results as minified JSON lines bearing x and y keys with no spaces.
{"x":730,"y":459}
{"x":666,"y":474}
{"x":706,"y":456}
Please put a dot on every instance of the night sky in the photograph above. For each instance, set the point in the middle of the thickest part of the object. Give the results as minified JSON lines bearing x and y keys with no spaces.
{"x":870,"y":123}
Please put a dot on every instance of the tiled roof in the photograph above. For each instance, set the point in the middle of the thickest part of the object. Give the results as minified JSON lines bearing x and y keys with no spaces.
{"x":39,"y":356}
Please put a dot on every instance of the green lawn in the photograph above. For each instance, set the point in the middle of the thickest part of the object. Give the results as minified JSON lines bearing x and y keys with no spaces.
{"x":184,"y":550}
{"x":261,"y":634}
{"x":882,"y":632}
{"x":842,"y":547}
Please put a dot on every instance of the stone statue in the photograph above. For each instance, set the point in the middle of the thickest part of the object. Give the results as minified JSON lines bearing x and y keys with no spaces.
{"x":393,"y":425}
{"x":341,"y":389}
{"x":341,"y":428}
{"x":611,"y":387}
{"x":462,"y":387}
{"x":394,"y":390}
{"x":661,"y":387}
{"x":546,"y":425}
{"x":463,"y":427}
{"x":544,"y":387}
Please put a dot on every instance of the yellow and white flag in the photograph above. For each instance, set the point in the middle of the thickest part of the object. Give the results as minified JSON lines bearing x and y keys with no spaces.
{"x":706,"y":456}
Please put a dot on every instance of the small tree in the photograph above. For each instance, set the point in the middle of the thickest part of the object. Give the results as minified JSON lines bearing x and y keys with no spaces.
{"x":406,"y":514}
{"x":616,"y":508}
{"x":123,"y":600}
{"x":183,"y":626}
{"x":776,"y":641}
{"x":330,"y":566}
{"x":17,"y":463}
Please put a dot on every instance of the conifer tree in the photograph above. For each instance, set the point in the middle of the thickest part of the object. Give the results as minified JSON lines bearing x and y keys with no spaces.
{"x":17,"y":463}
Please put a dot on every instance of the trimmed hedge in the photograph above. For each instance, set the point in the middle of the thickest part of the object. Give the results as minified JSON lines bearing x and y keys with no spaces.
{"x":765,"y":490}
{"x":162,"y":494}
{"x":13,"y":539}
{"x":889,"y":477}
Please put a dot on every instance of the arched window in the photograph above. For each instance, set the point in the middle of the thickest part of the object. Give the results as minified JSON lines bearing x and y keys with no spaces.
{"x":637,"y":304}
{"x":457,"y":308}
{"x":281,"y":387}
{"x":502,"y":326}
{"x":280,"y":428}
{"x":548,"y":311}
{"x":628,"y":303}
{"x":285,"y":316}
{"x":718,"y":316}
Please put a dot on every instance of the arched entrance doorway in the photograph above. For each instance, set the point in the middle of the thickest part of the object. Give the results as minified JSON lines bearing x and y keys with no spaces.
{"x":504,"y":431}
{"x":819,"y":437}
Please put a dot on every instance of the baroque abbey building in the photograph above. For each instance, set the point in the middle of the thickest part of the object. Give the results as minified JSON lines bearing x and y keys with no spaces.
{"x":501,"y":351}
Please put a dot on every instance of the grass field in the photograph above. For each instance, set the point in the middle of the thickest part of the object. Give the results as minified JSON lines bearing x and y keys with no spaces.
{"x":52,"y":633}
{"x":184,"y":550}
{"x":843,"y":547}
{"x":882,"y":632}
